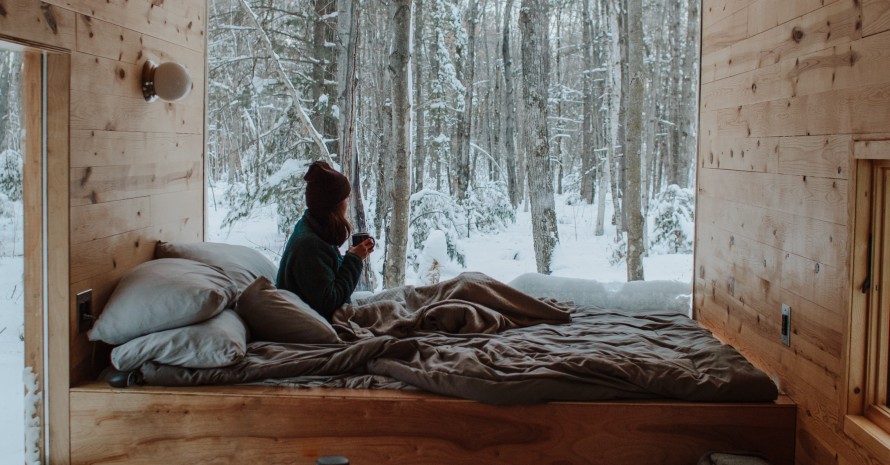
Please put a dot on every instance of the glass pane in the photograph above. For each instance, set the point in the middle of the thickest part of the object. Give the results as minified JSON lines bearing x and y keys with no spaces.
{"x":11,"y":261}
{"x":469,"y":209}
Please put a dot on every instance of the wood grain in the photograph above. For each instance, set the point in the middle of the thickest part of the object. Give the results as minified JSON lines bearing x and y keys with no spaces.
{"x":180,"y":22}
{"x":99,"y":111}
{"x":875,"y":16}
{"x":112,"y":41}
{"x":58,"y":258}
{"x":246,"y":426}
{"x":104,"y":148}
{"x":37,"y":24}
{"x":32,"y":202}
{"x":99,"y":184}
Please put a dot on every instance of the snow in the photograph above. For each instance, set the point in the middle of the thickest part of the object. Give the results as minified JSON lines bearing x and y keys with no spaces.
{"x":11,"y":346}
{"x":581,"y":271}
{"x":290,"y":169}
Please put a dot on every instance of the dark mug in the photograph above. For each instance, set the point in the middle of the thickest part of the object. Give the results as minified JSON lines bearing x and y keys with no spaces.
{"x":360,"y":237}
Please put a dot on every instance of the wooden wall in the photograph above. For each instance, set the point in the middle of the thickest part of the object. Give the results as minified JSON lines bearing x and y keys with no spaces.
{"x":123,"y":173}
{"x":788,"y":89}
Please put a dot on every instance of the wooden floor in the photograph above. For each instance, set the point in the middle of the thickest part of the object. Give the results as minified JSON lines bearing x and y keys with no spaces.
{"x":272,"y":425}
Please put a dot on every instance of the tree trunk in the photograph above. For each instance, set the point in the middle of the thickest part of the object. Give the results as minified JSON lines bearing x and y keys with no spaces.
{"x":588,"y":168}
{"x":615,"y":83}
{"x":534,"y":25}
{"x":688,"y":144}
{"x":397,"y":234}
{"x":465,"y":118}
{"x":509,"y":108}
{"x":347,"y":58}
{"x":417,"y":68}
{"x":633,"y":143}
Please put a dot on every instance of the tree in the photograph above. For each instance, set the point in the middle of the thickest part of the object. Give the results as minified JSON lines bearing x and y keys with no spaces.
{"x":635,"y":80}
{"x":465,"y":118}
{"x":534,"y":24}
{"x":686,"y":149}
{"x":588,"y":165}
{"x":509,"y":109}
{"x":347,"y":56}
{"x":397,"y":230}
{"x":419,"y":119}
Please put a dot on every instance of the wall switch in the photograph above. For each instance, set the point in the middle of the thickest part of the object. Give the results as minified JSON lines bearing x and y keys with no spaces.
{"x":786,"y":325}
{"x":85,"y":310}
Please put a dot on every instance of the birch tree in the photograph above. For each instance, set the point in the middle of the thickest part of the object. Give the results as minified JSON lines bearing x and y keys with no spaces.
{"x":534,"y":24}
{"x":397,"y":230}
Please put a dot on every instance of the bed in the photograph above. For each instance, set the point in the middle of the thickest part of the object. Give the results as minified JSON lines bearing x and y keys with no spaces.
{"x":593,"y":394}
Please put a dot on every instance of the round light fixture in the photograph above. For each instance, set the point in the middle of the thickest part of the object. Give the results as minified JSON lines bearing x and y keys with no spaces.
{"x":168,"y":81}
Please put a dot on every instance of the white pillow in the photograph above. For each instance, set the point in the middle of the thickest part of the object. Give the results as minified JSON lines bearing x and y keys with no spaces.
{"x":241,"y":264}
{"x":217,"y":342}
{"x":162,"y":294}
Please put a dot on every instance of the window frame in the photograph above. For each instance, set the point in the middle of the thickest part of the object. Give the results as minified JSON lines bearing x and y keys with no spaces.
{"x":868,"y":415}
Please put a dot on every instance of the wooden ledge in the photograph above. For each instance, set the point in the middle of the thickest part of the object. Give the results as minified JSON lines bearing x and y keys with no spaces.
{"x":280,"y":425}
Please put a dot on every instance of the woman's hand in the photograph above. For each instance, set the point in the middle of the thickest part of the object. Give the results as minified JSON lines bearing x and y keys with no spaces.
{"x":363,"y":249}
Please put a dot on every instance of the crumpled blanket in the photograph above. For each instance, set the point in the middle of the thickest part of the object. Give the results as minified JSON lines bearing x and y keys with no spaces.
{"x":468,"y":303}
{"x":499,"y":346}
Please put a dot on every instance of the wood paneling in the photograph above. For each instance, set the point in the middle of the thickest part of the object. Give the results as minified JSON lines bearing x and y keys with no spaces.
{"x":58,"y":259}
{"x":180,"y":22}
{"x":134,"y":171}
{"x":283,"y":426}
{"x":785,"y":111}
{"x":32,"y":200}
{"x":37,"y":24}
{"x":117,"y":182}
{"x":103,"y":148}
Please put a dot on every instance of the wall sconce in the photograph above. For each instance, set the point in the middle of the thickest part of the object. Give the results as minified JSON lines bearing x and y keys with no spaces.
{"x":168,"y":81}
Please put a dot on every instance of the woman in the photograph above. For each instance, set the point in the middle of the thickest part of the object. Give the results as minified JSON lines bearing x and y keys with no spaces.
{"x":311,"y":265}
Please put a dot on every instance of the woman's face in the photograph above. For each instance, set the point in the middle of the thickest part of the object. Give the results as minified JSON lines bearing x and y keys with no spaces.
{"x":343,"y":206}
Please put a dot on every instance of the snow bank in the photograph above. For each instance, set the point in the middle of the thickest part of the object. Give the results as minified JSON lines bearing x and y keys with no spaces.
{"x":634,"y":296}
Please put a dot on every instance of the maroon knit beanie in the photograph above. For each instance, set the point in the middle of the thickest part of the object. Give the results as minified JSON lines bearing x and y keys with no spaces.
{"x":325,"y":187}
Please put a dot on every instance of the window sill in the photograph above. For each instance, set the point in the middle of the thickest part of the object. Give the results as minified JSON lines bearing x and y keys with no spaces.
{"x":868,"y":435}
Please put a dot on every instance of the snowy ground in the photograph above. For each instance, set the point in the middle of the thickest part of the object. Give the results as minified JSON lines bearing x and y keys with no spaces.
{"x":11,"y":346}
{"x":504,"y":256}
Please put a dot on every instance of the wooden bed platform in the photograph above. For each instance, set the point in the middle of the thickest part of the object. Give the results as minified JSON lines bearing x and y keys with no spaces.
{"x":275,"y":425}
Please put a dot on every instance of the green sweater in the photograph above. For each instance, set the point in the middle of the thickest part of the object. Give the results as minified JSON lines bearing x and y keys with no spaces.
{"x":314,"y":269}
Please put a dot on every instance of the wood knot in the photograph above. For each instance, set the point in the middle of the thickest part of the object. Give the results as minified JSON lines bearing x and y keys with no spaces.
{"x":50,"y":17}
{"x":854,"y":57}
{"x":797,"y":34}
{"x":3,"y":12}
{"x":121,"y":73}
{"x":86,"y":176}
{"x":817,"y":268}
{"x":754,"y":87}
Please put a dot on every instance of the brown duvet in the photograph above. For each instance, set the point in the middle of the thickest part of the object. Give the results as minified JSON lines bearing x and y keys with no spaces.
{"x":475,"y":338}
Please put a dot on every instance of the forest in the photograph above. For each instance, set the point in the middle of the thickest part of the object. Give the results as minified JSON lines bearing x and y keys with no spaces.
{"x":448,"y":116}
{"x":452,"y":114}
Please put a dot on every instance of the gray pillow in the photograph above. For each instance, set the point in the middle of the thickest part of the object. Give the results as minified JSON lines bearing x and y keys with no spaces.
{"x":217,"y":342}
{"x":162,"y":294}
{"x":240,"y":263}
{"x":278,"y":315}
